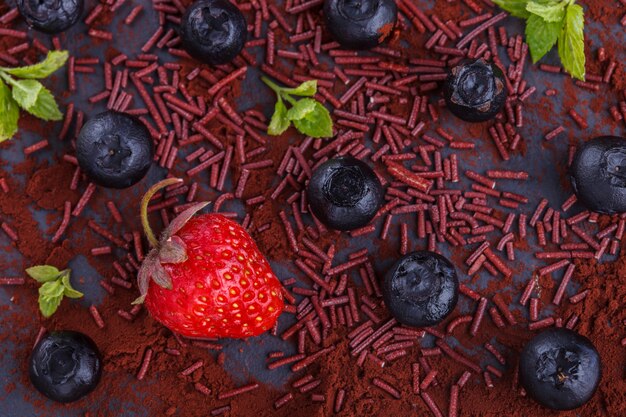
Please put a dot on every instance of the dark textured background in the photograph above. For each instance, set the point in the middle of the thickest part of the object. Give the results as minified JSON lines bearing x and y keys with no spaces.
{"x":544,"y":161}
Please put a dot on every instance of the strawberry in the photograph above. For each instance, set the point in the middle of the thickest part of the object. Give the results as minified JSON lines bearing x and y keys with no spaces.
{"x":205,"y":277}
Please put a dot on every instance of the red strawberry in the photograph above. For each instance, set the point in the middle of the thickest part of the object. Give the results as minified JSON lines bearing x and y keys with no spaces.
{"x":206,"y":277}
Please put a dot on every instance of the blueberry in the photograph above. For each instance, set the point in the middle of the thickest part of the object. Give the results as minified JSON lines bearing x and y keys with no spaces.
{"x":115,"y":150}
{"x":421,"y":289}
{"x":213,"y":31}
{"x":475,"y":90}
{"x":50,"y":16}
{"x":360,"y":24}
{"x":598,"y":174}
{"x":560,"y":369}
{"x":344,"y":193}
{"x":65,"y":366}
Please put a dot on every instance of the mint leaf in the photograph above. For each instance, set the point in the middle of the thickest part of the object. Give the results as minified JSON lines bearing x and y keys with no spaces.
{"x":55,"y":285}
{"x":308,"y":115}
{"x":72,"y":293}
{"x":54,"y":61}
{"x":316,"y":123}
{"x":301,"y":109}
{"x":25,"y":92}
{"x":306,"y":89}
{"x":28,"y":93}
{"x":516,"y":8}
{"x":68,"y":290}
{"x":36,"y":99}
{"x":280,"y":121}
{"x":45,"y":107}
{"x":49,"y":305}
{"x":51,"y":289}
{"x":549,"y":12}
{"x":9,"y":113}
{"x":541,"y":36}
{"x":43,"y":273}
{"x":571,"y":42}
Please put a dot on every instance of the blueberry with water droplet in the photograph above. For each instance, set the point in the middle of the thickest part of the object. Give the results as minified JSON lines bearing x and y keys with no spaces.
{"x":560,"y":369}
{"x":598,"y":174}
{"x":421,"y":289}
{"x":360,"y":24}
{"x":65,"y":366}
{"x":344,"y":193}
{"x":50,"y":16}
{"x":115,"y":150}
{"x":475,"y":90}
{"x":213,"y":31}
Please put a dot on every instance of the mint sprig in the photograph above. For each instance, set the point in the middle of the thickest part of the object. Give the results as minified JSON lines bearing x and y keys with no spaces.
{"x":19,"y":88}
{"x":55,"y":285}
{"x":308,"y":115}
{"x":516,"y":8}
{"x":549,"y":23}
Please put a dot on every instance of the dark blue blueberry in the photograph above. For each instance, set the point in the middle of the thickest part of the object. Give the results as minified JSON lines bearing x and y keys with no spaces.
{"x":560,"y":369}
{"x":421,"y":289}
{"x":598,"y":174}
{"x":213,"y":31}
{"x":360,"y":24}
{"x":65,"y":366}
{"x":475,"y":90}
{"x":344,"y":193}
{"x":115,"y":150}
{"x":50,"y":16}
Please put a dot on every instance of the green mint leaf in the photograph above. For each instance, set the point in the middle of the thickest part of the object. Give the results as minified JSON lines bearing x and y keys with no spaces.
{"x":308,"y":115}
{"x":54,"y":61}
{"x":55,"y":285}
{"x":72,"y":293}
{"x":45,"y":107}
{"x":51,"y":289}
{"x":550,"y":12}
{"x":43,"y":273}
{"x":316,"y":123}
{"x":306,"y":89}
{"x":9,"y":113}
{"x":516,"y":8}
{"x":571,"y":42}
{"x":49,"y":305}
{"x":36,"y":99}
{"x":25,"y":92}
{"x":541,"y":36}
{"x":301,"y":109}
{"x":280,"y":121}
{"x":68,"y":290}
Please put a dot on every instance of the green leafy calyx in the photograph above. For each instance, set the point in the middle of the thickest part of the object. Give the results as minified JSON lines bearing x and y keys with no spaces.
{"x":307,"y":115}
{"x":19,"y":88}
{"x":549,"y":23}
{"x":55,"y":285}
{"x":168,"y":249}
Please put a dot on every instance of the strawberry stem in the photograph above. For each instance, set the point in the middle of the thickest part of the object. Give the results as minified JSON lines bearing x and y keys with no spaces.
{"x":145,"y":222}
